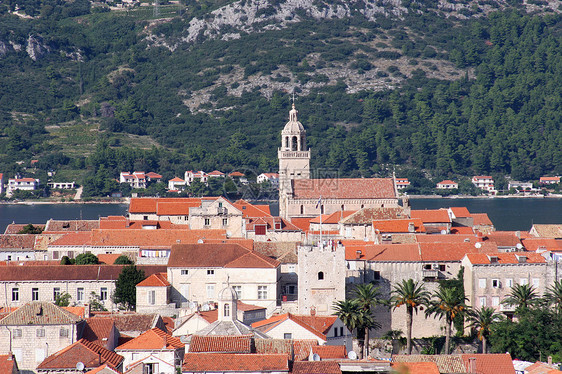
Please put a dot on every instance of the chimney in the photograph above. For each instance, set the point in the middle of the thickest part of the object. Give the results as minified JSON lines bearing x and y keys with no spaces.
{"x":358,"y":254}
{"x":472,"y":365}
{"x":313,"y":311}
{"x":549,"y":360}
{"x":479,"y":236}
{"x":411,"y":227}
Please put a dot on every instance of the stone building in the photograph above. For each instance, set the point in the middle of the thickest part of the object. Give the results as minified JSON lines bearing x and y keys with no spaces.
{"x":321,"y":271}
{"x":301,"y":196}
{"x":36,"y":330}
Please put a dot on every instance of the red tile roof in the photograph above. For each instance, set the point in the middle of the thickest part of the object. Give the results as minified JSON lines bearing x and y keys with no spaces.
{"x":431,"y":215}
{"x":453,"y":251}
{"x":447,"y":238}
{"x":218,"y":255}
{"x":316,"y":367}
{"x":481,"y":219}
{"x":224,"y":362}
{"x":297,"y":348}
{"x":73,"y":239}
{"x":330,"y":351}
{"x":221,"y":344}
{"x":154,"y":339}
{"x":236,"y":174}
{"x":415,"y":367}
{"x":506,"y":258}
{"x":318,"y":325}
{"x":70,"y":272}
{"x":151,"y":204}
{"x":17,"y":241}
{"x":90,"y":354}
{"x":131,"y":322}
{"x":447,"y":181}
{"x":334,"y":217}
{"x":104,"y":368}
{"x":504,"y":238}
{"x":461,"y":230}
{"x":7,"y":362}
{"x":98,"y":331}
{"x":460,"y":211}
{"x":368,"y":215}
{"x":152,"y":238}
{"x":155,"y":280}
{"x":108,"y":258}
{"x":398,"y":225}
{"x":532,"y":244}
{"x":384,"y":252}
{"x":250,"y":210}
{"x":352,"y":188}
{"x":79,"y":311}
{"x":70,"y":225}
{"x":301,"y":223}
{"x":490,"y":363}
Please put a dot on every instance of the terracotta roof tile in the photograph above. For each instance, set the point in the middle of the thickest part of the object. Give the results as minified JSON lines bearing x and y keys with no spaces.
{"x":506,"y":258}
{"x":461,"y":230}
{"x":73,"y":238}
{"x":447,"y":238}
{"x":218,"y":255}
{"x":7,"y":363}
{"x":39,"y":313}
{"x":17,"y":241}
{"x":221,"y":344}
{"x":481,"y":219}
{"x":431,"y":215}
{"x":152,"y":238}
{"x":79,"y":311}
{"x":151,"y":340}
{"x":98,"y":331}
{"x":90,"y":354}
{"x":316,"y":367}
{"x":318,"y":325}
{"x":366,"y":216}
{"x":490,"y":363}
{"x":548,"y":231}
{"x":334,"y":217}
{"x":299,"y":348}
{"x":301,"y":223}
{"x":151,"y":204}
{"x":104,"y":369}
{"x":70,"y":225}
{"x":224,"y":362}
{"x":108,"y":258}
{"x":70,"y":272}
{"x":330,"y":351}
{"x":384,"y":252}
{"x":460,"y":211}
{"x":236,"y":174}
{"x":504,"y":238}
{"x":541,"y":368}
{"x":250,"y":210}
{"x":284,"y":252}
{"x":14,"y":228}
{"x":398,"y":225}
{"x":453,"y":251}
{"x":415,"y":368}
{"x":155,"y":280}
{"x":451,"y":364}
{"x":130,"y":322}
{"x":351,"y":188}
{"x":532,"y":244}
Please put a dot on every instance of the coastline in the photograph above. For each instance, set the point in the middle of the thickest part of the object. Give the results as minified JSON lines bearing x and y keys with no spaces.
{"x":454,"y":197}
{"x":124,"y":201}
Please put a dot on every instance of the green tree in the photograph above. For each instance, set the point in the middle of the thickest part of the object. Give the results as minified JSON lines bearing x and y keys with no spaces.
{"x":95,"y":302}
{"x":522,"y":296}
{"x":483,"y":320}
{"x":367,"y":297}
{"x":125,"y":288}
{"x":30,"y":229}
{"x":86,"y":259}
{"x":349,"y":313}
{"x":65,"y":260}
{"x":446,"y":304}
{"x":63,"y":299}
{"x":554,"y":295}
{"x":123,"y":260}
{"x":413,"y":295}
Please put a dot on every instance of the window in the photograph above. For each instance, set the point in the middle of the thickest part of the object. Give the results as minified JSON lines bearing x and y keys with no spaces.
{"x":302,"y":209}
{"x":335,"y":331}
{"x":220,"y":204}
{"x":377,"y":275}
{"x":238,"y":290}
{"x":17,"y":333}
{"x":290,"y":289}
{"x":225,"y":221}
{"x":495,"y":283}
{"x":262,"y":292}
{"x":184,"y":272}
{"x":210,"y":272}
{"x":210,"y":291}
{"x":34,"y":294}
{"x":151,"y":368}
{"x":483,"y":301}
{"x":207,"y":222}
{"x":442,"y":267}
{"x":103,"y":294}
{"x":287,"y":335}
{"x":80,"y":294}
{"x":320,"y":275}
{"x":70,"y":254}
{"x":55,"y":255}
{"x":56,"y":293}
{"x":536,"y":282}
{"x":523,"y":281}
{"x":151,"y":297}
{"x":509,"y":282}
{"x":341,"y":331}
{"x":495,"y":301}
{"x":40,"y":333}
{"x":482,"y":283}
{"x":145,"y":218}
{"x":292,"y":268}
{"x":15,"y":294}
{"x":63,"y":333}
{"x":226,"y":310}
{"x":260,"y":229}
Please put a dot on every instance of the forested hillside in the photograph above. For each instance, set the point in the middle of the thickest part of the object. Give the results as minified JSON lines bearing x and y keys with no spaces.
{"x":450,"y":88}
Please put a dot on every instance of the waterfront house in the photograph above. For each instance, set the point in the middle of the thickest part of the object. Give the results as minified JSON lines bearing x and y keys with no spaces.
{"x":447,"y":185}
{"x":484,"y":182}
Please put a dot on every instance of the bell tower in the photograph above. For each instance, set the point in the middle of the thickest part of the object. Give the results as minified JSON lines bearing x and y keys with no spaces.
{"x":294,"y":159}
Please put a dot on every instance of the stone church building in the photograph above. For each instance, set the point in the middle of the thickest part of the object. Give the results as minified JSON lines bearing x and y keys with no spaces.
{"x":301,"y":196}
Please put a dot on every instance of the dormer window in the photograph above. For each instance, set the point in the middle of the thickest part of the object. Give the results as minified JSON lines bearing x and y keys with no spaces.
{"x":227,"y":310}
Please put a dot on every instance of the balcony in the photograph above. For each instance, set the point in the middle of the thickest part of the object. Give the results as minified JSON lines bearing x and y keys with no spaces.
{"x":433,"y":273}
{"x":507,"y":308}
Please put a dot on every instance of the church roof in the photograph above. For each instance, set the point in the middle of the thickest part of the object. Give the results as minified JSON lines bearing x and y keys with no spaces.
{"x":344,"y":188}
{"x":293,"y":126}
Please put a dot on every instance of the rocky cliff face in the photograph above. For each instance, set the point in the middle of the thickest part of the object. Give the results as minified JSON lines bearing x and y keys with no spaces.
{"x":36,"y":48}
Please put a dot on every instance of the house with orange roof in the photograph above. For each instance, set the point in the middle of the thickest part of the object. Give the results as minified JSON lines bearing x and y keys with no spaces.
{"x":359,"y":225}
{"x":8,"y":364}
{"x":549,"y":180}
{"x":153,"y":295}
{"x":176,"y":184}
{"x":485,"y":183}
{"x":89,"y":354}
{"x":328,"y":330}
{"x":397,"y":226}
{"x":18,"y":247}
{"x":489,"y":277}
{"x":272,"y":178}
{"x":481,"y":222}
{"x":276,"y":229}
{"x":499,"y":363}
{"x":218,"y":213}
{"x":190,"y":176}
{"x":102,"y":332}
{"x":460,"y":216}
{"x":175,"y":210}
{"x":152,"y":348}
{"x":198,"y":272}
{"x":434,"y":220}
{"x":447,"y":185}
{"x":199,"y":363}
{"x":22,"y":184}
{"x":136,"y":179}
{"x":324,"y":367}
{"x":402,"y":183}
{"x":329,"y":223}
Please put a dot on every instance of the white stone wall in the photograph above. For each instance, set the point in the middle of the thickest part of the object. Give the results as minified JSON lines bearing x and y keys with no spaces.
{"x":146,"y":304}
{"x":276,"y":236}
{"x":334,"y":205}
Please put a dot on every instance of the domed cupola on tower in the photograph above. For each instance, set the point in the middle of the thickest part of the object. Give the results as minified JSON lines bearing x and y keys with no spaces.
{"x":293,"y":136}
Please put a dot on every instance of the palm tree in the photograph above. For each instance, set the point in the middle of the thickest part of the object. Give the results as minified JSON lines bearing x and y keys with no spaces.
{"x":554,"y":295}
{"x":483,"y":319}
{"x":522,"y":296}
{"x":349,"y":313}
{"x":447,"y":303}
{"x":367,"y":296}
{"x":413,"y":295}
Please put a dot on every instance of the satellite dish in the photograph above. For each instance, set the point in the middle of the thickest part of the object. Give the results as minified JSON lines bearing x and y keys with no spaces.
{"x":478,"y":245}
{"x":316,"y":357}
{"x":228,"y":234}
{"x":443,"y":232}
{"x":184,"y":338}
{"x":79,"y":366}
{"x":519,"y":246}
{"x":200,"y":241}
{"x":352,"y":355}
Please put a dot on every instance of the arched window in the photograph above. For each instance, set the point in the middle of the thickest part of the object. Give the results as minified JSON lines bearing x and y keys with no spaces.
{"x":287,"y":142}
{"x":342,"y":207}
{"x":362,"y":206}
{"x":294,"y":145}
{"x":302,"y":209}
{"x":227,"y":310}
{"x":320,"y":275}
{"x":321,"y":209}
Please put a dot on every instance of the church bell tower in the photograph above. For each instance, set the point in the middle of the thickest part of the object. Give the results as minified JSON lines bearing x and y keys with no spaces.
{"x":294,"y":159}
